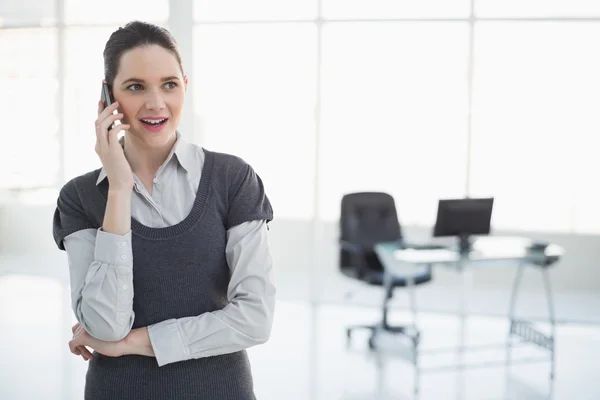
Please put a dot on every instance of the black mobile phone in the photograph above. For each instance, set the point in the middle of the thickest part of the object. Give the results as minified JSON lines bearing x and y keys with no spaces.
{"x":107,"y":99}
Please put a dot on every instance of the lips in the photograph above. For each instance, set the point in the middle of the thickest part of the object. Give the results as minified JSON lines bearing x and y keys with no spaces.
{"x":154,"y":124}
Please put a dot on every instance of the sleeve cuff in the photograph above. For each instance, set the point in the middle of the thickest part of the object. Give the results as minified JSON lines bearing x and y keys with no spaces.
{"x":113,"y":249}
{"x":167,"y":343}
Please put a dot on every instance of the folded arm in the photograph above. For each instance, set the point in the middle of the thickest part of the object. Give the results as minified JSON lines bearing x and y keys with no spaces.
{"x":247,"y":319}
{"x":101,"y":275}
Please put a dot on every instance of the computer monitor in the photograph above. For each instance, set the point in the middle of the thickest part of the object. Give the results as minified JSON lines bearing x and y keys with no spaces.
{"x":463,"y":218}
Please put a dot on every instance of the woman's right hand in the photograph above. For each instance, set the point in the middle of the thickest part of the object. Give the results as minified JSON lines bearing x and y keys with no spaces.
{"x":109,"y":149}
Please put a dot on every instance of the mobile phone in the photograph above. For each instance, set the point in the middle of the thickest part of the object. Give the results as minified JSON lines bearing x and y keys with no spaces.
{"x":107,"y":99}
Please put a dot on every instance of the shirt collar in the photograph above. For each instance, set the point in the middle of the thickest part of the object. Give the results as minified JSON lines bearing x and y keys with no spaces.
{"x":183,"y":151}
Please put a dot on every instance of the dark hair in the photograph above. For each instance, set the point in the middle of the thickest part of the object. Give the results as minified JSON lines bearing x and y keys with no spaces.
{"x":133,"y":35}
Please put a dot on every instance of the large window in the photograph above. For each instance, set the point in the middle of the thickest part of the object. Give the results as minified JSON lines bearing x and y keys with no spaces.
{"x":390,"y":9}
{"x":255,"y":95}
{"x":537,"y":8}
{"x":105,"y":12}
{"x":35,"y":126}
{"x":84,"y":74}
{"x":424,"y":99}
{"x":27,"y":13}
{"x":534,"y":122}
{"x":255,"y":10}
{"x":30,"y":150}
{"x":394,"y":114}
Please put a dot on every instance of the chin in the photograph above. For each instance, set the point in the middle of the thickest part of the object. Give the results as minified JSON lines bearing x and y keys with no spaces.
{"x":153,"y":138}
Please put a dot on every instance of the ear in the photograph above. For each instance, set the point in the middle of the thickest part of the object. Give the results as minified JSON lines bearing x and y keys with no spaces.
{"x":185,"y":80}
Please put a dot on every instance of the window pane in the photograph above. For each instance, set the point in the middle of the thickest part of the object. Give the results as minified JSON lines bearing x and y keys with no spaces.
{"x":534,"y":120}
{"x":116,"y":11}
{"x":394,"y":115}
{"x":537,"y":8}
{"x":395,"y":9}
{"x":85,"y":71}
{"x":586,"y":196}
{"x":255,"y":97}
{"x":28,"y":78}
{"x":27,"y":12}
{"x":243,"y":10}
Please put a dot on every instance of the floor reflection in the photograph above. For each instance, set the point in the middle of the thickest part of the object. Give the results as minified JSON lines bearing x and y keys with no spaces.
{"x":306,"y":357}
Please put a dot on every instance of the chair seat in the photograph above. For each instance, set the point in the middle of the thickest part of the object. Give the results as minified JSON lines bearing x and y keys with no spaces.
{"x":376,"y":277}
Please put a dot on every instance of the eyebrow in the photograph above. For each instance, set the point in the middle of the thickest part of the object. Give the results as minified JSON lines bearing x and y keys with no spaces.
{"x":138,"y":80}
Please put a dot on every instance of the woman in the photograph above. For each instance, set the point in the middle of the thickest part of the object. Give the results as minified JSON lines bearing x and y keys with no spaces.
{"x":182,"y":227}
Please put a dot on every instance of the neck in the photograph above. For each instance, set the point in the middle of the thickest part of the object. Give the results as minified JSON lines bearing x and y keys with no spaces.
{"x":145,"y":160}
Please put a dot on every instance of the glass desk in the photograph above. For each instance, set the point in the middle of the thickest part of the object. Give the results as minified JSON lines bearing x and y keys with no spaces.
{"x":486,"y":252}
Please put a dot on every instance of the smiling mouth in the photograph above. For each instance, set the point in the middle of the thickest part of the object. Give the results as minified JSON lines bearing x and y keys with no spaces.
{"x":154,"y":122}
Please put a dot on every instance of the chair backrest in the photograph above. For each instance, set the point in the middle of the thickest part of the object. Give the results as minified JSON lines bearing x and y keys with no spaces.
{"x":367,"y":218}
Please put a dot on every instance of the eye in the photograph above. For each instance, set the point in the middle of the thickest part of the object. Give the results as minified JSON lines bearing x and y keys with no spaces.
{"x":170,"y":85}
{"x":135,"y":87}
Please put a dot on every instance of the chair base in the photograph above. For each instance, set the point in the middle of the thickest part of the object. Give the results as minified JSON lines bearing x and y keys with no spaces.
{"x":407,"y":331}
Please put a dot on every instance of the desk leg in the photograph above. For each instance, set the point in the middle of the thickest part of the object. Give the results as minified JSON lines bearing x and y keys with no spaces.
{"x":380,"y":366}
{"x":467,"y":283}
{"x":416,"y":334}
{"x":551,"y":319}
{"x":413,"y":336}
{"x":413,"y":304}
{"x":525,"y":330}
{"x":511,"y":310}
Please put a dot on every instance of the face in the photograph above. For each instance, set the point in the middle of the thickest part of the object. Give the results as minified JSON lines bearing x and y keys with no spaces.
{"x":150,"y":89}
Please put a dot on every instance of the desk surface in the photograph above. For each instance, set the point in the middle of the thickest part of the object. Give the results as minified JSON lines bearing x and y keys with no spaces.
{"x":495,"y":248}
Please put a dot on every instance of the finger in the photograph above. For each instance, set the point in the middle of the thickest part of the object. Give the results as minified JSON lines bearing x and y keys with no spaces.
{"x":81,"y":351}
{"x":73,"y":347}
{"x":105,"y":124}
{"x":74,"y":328}
{"x":79,"y":330}
{"x":101,"y":131}
{"x":85,"y":353}
{"x":113,"y":133}
{"x":106,"y":111}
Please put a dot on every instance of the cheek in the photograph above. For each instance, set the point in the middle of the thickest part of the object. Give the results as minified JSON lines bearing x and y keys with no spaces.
{"x":177,"y":106}
{"x":128,"y":111}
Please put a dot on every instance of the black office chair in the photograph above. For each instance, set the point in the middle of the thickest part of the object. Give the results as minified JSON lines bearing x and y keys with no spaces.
{"x":369,"y":218}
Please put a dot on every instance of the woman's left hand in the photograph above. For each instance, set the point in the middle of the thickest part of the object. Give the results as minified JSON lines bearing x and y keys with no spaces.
{"x":81,"y":339}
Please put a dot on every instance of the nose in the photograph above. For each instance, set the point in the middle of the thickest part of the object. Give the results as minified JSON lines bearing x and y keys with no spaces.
{"x":154,"y":100}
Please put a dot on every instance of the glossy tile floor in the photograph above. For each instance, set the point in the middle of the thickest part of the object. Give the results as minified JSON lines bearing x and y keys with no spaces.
{"x":307,"y":357}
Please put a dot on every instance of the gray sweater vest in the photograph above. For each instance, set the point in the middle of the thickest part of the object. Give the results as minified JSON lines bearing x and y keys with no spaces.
{"x":178,"y":271}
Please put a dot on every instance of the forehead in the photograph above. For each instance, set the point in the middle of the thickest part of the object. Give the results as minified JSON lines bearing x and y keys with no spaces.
{"x":151,"y":62}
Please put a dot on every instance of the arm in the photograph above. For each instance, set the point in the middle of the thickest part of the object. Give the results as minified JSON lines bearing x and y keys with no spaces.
{"x":117,"y":217}
{"x":247,"y":319}
{"x":101,"y":268}
{"x":101,"y":275}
